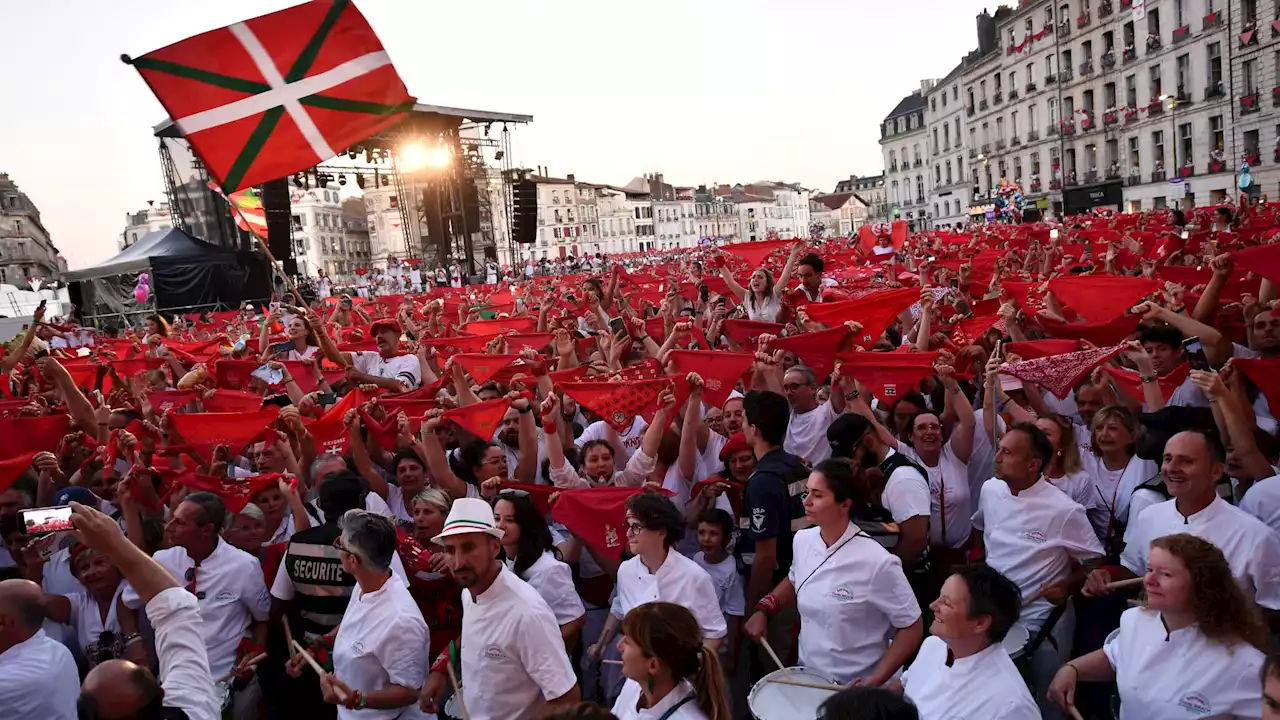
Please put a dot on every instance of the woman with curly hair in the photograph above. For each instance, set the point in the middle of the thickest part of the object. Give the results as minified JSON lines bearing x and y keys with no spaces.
{"x":1193,"y":646}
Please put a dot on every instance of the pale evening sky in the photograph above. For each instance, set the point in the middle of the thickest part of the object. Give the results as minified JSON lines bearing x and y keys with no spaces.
{"x":701,"y":91}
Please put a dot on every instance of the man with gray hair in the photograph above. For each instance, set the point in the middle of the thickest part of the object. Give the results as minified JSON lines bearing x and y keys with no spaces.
{"x":326,"y":466}
{"x":38,"y":677}
{"x":379,"y":650}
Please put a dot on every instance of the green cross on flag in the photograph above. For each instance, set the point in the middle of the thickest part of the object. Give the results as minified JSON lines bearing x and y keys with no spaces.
{"x":268,"y":97}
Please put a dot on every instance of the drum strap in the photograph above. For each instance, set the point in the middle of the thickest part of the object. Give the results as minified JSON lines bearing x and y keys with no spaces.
{"x":672,"y":710}
{"x":824,"y":562}
{"x":1046,"y":630}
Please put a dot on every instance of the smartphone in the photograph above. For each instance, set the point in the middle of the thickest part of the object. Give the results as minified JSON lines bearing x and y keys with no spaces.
{"x":45,"y":520}
{"x":955,"y":283}
{"x":281,"y":347}
{"x":703,"y":292}
{"x":1053,"y":234}
{"x":618,"y":326}
{"x":327,"y":398}
{"x":1195,"y":353}
{"x":346,"y":302}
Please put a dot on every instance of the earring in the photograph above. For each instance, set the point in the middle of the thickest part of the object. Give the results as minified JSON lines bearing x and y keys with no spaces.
{"x":650,"y":683}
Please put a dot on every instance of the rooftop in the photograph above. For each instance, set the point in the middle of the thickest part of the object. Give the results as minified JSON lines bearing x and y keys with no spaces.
{"x":909,"y":104}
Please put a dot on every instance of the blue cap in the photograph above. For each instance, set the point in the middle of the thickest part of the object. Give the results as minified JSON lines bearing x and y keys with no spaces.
{"x":74,"y":493}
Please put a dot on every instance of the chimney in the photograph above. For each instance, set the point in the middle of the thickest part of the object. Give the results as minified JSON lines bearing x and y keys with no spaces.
{"x":986,"y":33}
{"x":570,"y":177}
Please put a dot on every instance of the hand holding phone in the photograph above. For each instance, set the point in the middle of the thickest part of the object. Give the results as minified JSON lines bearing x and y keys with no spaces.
{"x":45,"y":520}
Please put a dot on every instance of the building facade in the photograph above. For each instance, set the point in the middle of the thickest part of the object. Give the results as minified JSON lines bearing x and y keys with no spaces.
{"x":870,"y":189}
{"x":1254,"y":93}
{"x":26,"y":250}
{"x":948,"y":198}
{"x":903,"y":146}
{"x":318,"y":234}
{"x":138,"y":225}
{"x":837,"y":215}
{"x":715,"y":217}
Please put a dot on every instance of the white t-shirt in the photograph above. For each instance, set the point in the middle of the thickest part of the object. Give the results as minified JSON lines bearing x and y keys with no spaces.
{"x":1080,"y":486}
{"x":86,"y":618}
{"x":682,"y":697}
{"x":1263,"y":501}
{"x":1032,"y":538}
{"x":382,"y":641}
{"x":1181,"y":674}
{"x":807,"y":434}
{"x":906,"y":494}
{"x":1252,"y":549}
{"x":766,"y":311}
{"x":513,"y":658}
{"x":554,"y":582}
{"x":983,"y":685}
{"x":852,"y":596}
{"x":38,"y":679}
{"x":1115,"y":489}
{"x":680,"y":581}
{"x":631,"y":437}
{"x":235,"y":596}
{"x":730,"y":592}
{"x":404,"y":368}
{"x":952,"y":476}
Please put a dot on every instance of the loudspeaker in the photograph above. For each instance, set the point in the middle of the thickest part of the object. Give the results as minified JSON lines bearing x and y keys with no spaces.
{"x":524,"y":211}
{"x":275,"y":205}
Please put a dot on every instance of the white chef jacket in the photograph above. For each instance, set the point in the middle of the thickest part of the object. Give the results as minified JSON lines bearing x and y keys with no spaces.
{"x":38,"y":679}
{"x":513,"y":658}
{"x":1165,"y":675}
{"x":235,"y":596}
{"x":554,"y":582}
{"x":984,"y":685}
{"x":382,"y":641}
{"x":849,"y":605}
{"x":1252,"y":549}
{"x":1263,"y":502}
{"x":1033,"y":537}
{"x":680,"y":581}
{"x":682,"y":697}
{"x":952,"y":476}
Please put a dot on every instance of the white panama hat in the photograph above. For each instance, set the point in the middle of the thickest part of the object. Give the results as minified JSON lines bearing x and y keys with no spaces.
{"x":467,"y":516}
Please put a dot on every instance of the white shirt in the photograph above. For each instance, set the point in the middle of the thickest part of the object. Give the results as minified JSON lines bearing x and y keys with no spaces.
{"x":404,"y":368}
{"x":1263,"y":502}
{"x":807,"y":434}
{"x":680,"y":581}
{"x":1251,"y":548}
{"x":906,"y":495}
{"x":625,"y":707}
{"x":87,"y":620}
{"x":381,"y":642}
{"x":38,"y":679}
{"x":235,"y":596}
{"x":850,"y":605}
{"x":1165,"y":675}
{"x":598,"y":430}
{"x":730,"y":592}
{"x":1081,"y":487}
{"x":184,"y":662}
{"x":1033,"y":537}
{"x":952,"y":477}
{"x":513,"y":658}
{"x":554,"y":582}
{"x":984,"y":685}
{"x":1115,"y":489}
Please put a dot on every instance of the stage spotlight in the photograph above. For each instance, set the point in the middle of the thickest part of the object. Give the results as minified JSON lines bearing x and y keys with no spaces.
{"x":360,"y":181}
{"x":498,"y":155}
{"x":351,"y":153}
{"x":297,"y":179}
{"x":342,"y":179}
{"x":385,"y":181}
{"x":412,"y":157}
{"x":438,"y":157}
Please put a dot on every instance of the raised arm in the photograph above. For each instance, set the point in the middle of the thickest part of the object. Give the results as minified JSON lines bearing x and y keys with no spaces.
{"x":957,"y":401}
{"x":360,"y":454}
{"x":433,"y":456}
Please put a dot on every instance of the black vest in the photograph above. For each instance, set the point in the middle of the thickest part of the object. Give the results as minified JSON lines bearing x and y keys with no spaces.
{"x":321,"y":587}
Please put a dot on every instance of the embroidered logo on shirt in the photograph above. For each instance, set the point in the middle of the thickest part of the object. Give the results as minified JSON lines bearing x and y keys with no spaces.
{"x":757,"y":519}
{"x":1034,"y":536}
{"x":493,"y":652}
{"x":1196,"y":704}
{"x":226,"y":596}
{"x":611,"y":536}
{"x":357,"y":647}
{"x":842,"y":594}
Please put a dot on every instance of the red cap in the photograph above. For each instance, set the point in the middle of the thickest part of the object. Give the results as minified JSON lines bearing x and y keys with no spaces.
{"x":737,"y":442}
{"x":386,"y":324}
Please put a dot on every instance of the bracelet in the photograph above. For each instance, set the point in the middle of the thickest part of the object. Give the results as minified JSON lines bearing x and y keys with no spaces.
{"x":1074,"y":669}
{"x":132,"y":638}
{"x":768,"y":605}
{"x":642,"y":338}
{"x":441,"y":665}
{"x":851,"y":396}
{"x":1147,"y":378}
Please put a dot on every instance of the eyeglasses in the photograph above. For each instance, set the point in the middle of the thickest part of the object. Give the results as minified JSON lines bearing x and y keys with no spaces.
{"x":191,"y":582}
{"x":337,"y":542}
{"x":635,"y":528}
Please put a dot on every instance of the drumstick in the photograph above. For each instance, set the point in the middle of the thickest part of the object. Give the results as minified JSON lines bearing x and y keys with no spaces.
{"x":342,"y":695}
{"x":1075,"y":714}
{"x":815,"y":686}
{"x":457,"y":690}
{"x":1116,"y":585}
{"x":611,"y":662}
{"x":288,"y":637}
{"x":252,"y":661}
{"x":769,"y":649}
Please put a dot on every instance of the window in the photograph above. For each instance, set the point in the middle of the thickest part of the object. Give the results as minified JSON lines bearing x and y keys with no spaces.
{"x":1157,"y":86}
{"x":933,"y":104}
{"x":1216,"y":132}
{"x":935,"y":140}
{"x":1214,"y":52}
{"x":973,"y":138}
{"x":1184,"y":140}
{"x":1048,"y":15}
{"x":1017,"y":170}
{"x":1088,"y":100}
{"x":1068,"y":109}
{"x":1179,"y":12}
{"x":937,"y":174}
{"x":1153,"y":21}
{"x":1157,"y":148}
{"x":999,"y":129}
{"x":893,"y":160}
{"x":1113,"y":154}
{"x":955,"y":92}
{"x":1131,"y":91}
{"x":1249,"y":70}
{"x":998,"y":86}
{"x":1048,"y":66}
{"x":1249,"y":12}
{"x":1184,"y":74}
{"x":1013,"y":40}
{"x":986,"y":133}
{"x":1027,"y":28}
{"x":17,"y":226}
{"x":919,"y":188}
{"x":946,"y":136}
{"x":1108,"y":41}
{"x":948,"y":172}
{"x":944,"y":98}
{"x":1031,"y":73}
{"x":1129,"y":33}
{"x":1066,"y":62}
{"x":1013,"y":123}
{"x":1250,"y":142}
{"x":1031,"y":118}
{"x":1135,"y":156}
{"x":1086,"y":51}
{"x":1109,"y":95}
{"x":982,"y":90}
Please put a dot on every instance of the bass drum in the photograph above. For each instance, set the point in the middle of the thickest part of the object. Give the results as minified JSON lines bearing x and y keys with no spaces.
{"x":452,"y":709}
{"x":770,"y":700}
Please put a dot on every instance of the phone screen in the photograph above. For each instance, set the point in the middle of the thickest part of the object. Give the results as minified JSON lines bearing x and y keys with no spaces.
{"x":618,"y":326}
{"x":45,"y":520}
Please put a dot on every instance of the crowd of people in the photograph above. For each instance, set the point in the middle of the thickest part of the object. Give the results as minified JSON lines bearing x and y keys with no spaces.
{"x":1027,"y":471}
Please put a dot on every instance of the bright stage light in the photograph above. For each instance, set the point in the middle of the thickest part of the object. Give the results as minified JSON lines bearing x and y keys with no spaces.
{"x":412,"y":157}
{"x":439,"y":157}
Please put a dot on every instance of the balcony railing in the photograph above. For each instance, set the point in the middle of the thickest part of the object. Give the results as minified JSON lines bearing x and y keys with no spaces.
{"x":1050,"y":79}
{"x":997,"y":98}
{"x":982,"y":105}
{"x":1031,"y":87}
{"x":1108,"y":60}
{"x":1214,"y":91}
{"x":1181,"y":33}
{"x":1110,"y":117}
{"x":1105,"y":9}
{"x":1187,"y":171}
{"x":1035,"y":186}
{"x":1113,"y":173}
{"x":1067,"y":75}
{"x":1249,"y":37}
{"x":1130,"y":115}
{"x":1158,"y":176}
{"x":1051,"y":131}
{"x":1130,"y":54}
{"x":1055,"y":184}
{"x":969,"y":111}
{"x":1000,"y":144}
{"x":1068,"y":128}
{"x":1016,"y":141}
{"x":973,"y":153}
{"x":918,"y":163}
{"x":1133,"y":180}
{"x":1249,"y":103}
{"x":1217,"y":166}
{"x":1091,"y":177}
{"x":1086,"y":68}
{"x":1064,"y":28}
{"x":1013,"y":95}
{"x":1126,"y":4}
{"x":1086,"y":124}
{"x":1212,"y":20}
{"x":1155,"y":107}
{"x":1275,"y":97}
{"x":986,"y":148}
{"x":1084,"y":19}
{"x":1153,"y":43}
{"x":1033,"y":135}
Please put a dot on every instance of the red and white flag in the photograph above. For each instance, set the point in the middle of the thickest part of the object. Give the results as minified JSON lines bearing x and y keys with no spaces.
{"x":265,"y":98}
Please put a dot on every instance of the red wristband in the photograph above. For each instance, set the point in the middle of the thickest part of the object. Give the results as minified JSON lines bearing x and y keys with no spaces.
{"x":549,"y":427}
{"x":441,"y":665}
{"x":768,"y":605}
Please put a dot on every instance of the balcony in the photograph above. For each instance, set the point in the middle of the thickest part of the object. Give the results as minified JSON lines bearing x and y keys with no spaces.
{"x":1253,"y":158}
{"x":1064,"y":29}
{"x":1035,"y":186}
{"x":1050,"y":79}
{"x":1068,"y":128}
{"x":1275,"y":96}
{"x":1110,"y":117}
{"x":1153,"y":43}
{"x":918,"y":163}
{"x":1033,"y":136}
{"x":1013,"y":95}
{"x":1133,"y":180}
{"x":1249,"y":38}
{"x":1067,"y":75}
{"x":1108,"y":60}
{"x":997,"y":98}
{"x":1158,"y":176}
{"x":1155,"y":107}
{"x":1214,"y":91}
{"x":1105,"y":9}
{"x":1130,"y":54}
{"x":1087,"y":124}
{"x":1086,"y":68}
{"x":893,"y":167}
{"x":1000,"y":144}
{"x":1126,"y":4}
{"x":982,"y":105}
{"x":1051,"y":131}
{"x":1130,"y":115}
{"x":1091,"y":177}
{"x":1212,"y":20}
{"x":1084,"y":19}
{"x":973,"y":153}
{"x":1015,"y":142}
{"x":1180,"y":34}
{"x":1031,"y":87}
{"x":1249,"y":104}
{"x":986,"y":148}
{"x":1187,"y":171}
{"x":1055,"y":184}
{"x":969,"y":111}
{"x":1216,"y":166}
